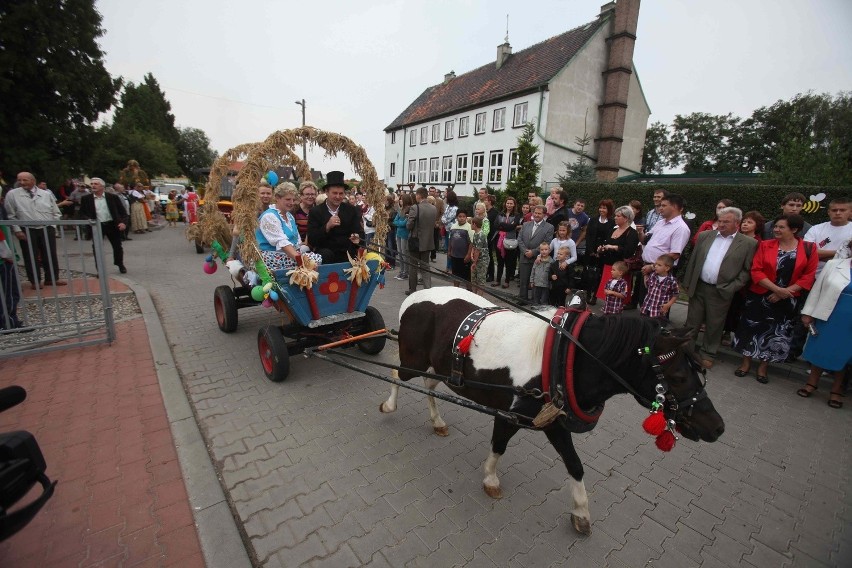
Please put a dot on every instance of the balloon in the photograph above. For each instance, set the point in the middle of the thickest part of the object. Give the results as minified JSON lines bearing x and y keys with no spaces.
{"x":272,"y":178}
{"x":267,"y":287}
{"x":267,"y":303}
{"x":273,"y":295}
{"x":209,"y":258}
{"x":210,"y":267}
{"x":257,"y":293}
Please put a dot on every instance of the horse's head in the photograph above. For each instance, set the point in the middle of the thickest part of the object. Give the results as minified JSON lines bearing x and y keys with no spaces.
{"x":686,"y":400}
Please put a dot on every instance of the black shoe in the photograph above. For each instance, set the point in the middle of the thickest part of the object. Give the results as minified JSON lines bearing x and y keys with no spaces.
{"x":409,"y":292}
{"x":127,"y":239}
{"x":122,"y":269}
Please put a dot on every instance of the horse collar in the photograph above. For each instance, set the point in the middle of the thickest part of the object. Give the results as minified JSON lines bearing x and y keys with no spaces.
{"x":463,"y":340}
{"x":558,"y":360}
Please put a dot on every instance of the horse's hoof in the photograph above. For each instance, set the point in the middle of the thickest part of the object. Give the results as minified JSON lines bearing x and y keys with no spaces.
{"x":383,"y":409}
{"x":493,"y":492}
{"x":442,"y":431}
{"x":581,"y":525}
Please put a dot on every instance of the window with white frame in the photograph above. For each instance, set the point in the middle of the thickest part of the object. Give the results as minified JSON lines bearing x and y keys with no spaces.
{"x":447,"y":169}
{"x":461,"y":168}
{"x":421,"y":171}
{"x":464,"y":126}
{"x":424,"y":133}
{"x":479,"y":127}
{"x":436,"y":133}
{"x":513,"y":163}
{"x":412,"y":138}
{"x":434,"y":170}
{"x":449,"y":128}
{"x":393,"y":137}
{"x":477,"y":167}
{"x":393,"y":169}
{"x":495,"y":167}
{"x":499,"y":119}
{"x":412,"y":171}
{"x":520,"y":117}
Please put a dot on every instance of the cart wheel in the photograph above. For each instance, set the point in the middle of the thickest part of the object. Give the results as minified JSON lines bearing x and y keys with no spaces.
{"x":374,"y":321}
{"x":225,"y":305}
{"x":199,"y":247}
{"x":273,"y":353}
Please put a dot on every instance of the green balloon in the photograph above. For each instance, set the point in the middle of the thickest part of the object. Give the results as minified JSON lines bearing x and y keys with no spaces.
{"x":257,"y":293}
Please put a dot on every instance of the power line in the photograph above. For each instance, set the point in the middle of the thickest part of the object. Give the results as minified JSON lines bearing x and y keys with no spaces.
{"x":225,"y":99}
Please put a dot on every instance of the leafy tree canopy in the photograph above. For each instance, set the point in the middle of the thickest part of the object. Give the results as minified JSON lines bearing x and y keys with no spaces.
{"x":144,"y":107}
{"x":53,"y":84}
{"x":804,"y":141}
{"x":193,"y":150}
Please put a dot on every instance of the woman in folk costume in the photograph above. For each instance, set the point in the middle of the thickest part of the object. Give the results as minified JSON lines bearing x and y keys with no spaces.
{"x":277,"y":233}
{"x":138,"y":219}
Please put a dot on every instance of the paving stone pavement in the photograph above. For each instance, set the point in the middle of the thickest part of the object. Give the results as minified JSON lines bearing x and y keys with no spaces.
{"x":318,"y":477}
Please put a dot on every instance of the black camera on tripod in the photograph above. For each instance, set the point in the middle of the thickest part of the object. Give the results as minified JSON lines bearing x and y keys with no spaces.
{"x":22,"y":465}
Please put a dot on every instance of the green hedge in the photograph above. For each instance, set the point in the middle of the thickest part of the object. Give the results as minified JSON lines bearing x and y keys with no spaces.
{"x":701,"y":199}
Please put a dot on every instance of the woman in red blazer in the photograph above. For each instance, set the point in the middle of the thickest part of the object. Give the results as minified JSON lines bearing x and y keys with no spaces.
{"x":783,"y":267}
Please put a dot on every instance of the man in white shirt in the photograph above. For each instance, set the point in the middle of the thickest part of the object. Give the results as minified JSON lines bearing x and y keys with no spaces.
{"x":719,"y":266}
{"x":829,"y":235}
{"x":38,"y":243}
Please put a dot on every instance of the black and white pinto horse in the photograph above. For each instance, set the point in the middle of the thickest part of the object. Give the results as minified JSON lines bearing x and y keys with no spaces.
{"x":507,"y":350}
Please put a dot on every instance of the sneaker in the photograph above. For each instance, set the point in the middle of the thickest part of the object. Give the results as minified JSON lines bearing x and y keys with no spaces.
{"x":399,"y":277}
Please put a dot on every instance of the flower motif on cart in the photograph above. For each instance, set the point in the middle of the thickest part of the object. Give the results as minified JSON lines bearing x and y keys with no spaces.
{"x":333,"y":287}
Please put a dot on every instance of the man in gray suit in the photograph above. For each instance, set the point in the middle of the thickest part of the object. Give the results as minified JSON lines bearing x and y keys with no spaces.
{"x":719,"y":266}
{"x":532,"y":234}
{"x":421,"y":222}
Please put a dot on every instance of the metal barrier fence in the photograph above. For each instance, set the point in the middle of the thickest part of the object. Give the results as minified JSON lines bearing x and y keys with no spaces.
{"x":55,"y":295}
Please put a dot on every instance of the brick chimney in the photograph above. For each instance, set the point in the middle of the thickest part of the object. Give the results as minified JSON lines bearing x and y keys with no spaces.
{"x":622,"y":40}
{"x":449,"y":77}
{"x":504,"y":50}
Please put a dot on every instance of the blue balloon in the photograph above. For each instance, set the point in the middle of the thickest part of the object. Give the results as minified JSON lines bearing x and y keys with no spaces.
{"x":273,"y":295}
{"x":272,"y":178}
{"x":209,"y":258}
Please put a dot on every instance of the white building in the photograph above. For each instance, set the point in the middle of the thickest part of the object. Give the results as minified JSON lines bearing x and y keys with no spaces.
{"x":464,"y":131}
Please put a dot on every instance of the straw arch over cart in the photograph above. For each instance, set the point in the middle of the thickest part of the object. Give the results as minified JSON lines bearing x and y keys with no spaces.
{"x":213,"y":225}
{"x":277,"y":149}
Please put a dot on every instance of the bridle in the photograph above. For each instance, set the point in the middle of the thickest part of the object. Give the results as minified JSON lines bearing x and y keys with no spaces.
{"x":672,"y":407}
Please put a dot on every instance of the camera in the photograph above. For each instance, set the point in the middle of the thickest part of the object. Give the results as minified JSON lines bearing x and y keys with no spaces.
{"x":22,"y":465}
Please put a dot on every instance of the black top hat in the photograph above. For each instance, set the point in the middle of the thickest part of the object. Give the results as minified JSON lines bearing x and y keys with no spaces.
{"x":334,"y":179}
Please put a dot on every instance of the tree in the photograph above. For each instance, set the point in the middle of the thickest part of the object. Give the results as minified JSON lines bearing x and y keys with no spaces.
{"x":702,"y":142}
{"x":53,"y":85}
{"x":114,"y":147}
{"x":654,"y":154}
{"x":526,"y":176}
{"x":144,"y":107}
{"x":582,"y":169}
{"x":193,"y":150}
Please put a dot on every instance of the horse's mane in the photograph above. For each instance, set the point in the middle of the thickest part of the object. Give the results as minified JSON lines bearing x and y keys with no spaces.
{"x":621,"y":336}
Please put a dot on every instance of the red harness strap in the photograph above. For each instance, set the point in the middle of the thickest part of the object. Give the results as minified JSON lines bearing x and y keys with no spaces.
{"x":549,"y":342}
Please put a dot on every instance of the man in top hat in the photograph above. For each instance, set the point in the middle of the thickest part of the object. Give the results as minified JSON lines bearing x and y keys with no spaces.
{"x":334,"y":227}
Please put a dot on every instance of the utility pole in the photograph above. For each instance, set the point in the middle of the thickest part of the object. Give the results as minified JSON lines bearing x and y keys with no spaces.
{"x":304,"y":145}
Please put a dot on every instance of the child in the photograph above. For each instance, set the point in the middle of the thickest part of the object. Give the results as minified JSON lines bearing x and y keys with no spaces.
{"x":459,"y":246}
{"x":662,"y":289}
{"x":541,"y":274}
{"x":563,"y":239}
{"x":560,"y":277}
{"x":615,"y":291}
{"x":171,"y":211}
{"x":479,"y":255}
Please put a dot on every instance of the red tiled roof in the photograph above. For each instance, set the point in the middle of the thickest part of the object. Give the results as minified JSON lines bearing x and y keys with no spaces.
{"x":523,"y":71}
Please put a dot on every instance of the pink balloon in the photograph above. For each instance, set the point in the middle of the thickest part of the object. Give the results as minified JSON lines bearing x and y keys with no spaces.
{"x":267,"y":303}
{"x":210,"y":267}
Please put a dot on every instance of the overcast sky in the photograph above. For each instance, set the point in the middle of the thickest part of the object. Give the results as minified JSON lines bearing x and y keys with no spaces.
{"x":235,"y":69}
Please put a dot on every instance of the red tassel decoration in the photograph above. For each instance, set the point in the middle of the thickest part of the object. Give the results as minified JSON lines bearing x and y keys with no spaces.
{"x":464,"y":345}
{"x":655,"y":424}
{"x":666,"y":441}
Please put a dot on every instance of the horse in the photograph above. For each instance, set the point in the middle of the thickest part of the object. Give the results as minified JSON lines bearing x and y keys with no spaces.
{"x":506,"y":354}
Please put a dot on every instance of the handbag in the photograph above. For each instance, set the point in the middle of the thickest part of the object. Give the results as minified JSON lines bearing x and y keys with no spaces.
{"x":635,"y":262}
{"x":413,"y":238}
{"x":510,"y":244}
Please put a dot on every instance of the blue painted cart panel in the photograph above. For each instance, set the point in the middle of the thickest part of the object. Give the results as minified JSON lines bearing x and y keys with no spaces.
{"x":331,"y":291}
